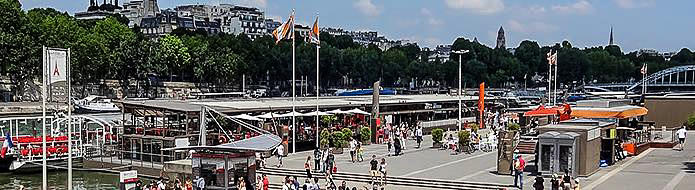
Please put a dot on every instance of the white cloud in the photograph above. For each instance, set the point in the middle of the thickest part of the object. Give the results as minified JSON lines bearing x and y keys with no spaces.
{"x":629,"y":4}
{"x":580,"y":7}
{"x":530,"y":27}
{"x":367,"y":7}
{"x":478,"y":6}
{"x":537,"y":9}
{"x":254,"y":3}
{"x":430,"y":18}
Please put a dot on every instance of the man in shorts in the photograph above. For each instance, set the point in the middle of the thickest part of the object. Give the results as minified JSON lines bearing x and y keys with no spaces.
{"x":681,"y":137}
{"x":373,"y":170}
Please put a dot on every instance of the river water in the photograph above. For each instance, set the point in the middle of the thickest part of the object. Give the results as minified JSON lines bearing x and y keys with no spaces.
{"x":57,"y":180}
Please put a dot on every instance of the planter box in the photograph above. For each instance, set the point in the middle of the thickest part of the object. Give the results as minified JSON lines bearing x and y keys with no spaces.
{"x":337,"y":151}
{"x":436,"y":145}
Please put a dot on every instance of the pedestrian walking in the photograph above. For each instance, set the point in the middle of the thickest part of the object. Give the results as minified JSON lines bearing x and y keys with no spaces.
{"x":280,"y":152}
{"x":266,"y":182}
{"x":555,"y":182}
{"x":353,"y":149}
{"x":242,"y":184}
{"x":374,"y":169}
{"x":418,"y":136}
{"x":538,"y":184}
{"x":382,"y":171}
{"x":397,"y":146}
{"x":519,"y":165}
{"x":259,"y":183}
{"x":324,"y":160}
{"x":288,"y":184}
{"x":317,"y":159}
{"x":360,"y":152}
{"x":307,"y":167}
{"x":200,"y":183}
{"x":681,"y":137}
{"x":389,"y":143}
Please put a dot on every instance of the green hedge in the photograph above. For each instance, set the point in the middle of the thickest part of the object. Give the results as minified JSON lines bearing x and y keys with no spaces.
{"x":437,"y":135}
{"x":366,"y":134}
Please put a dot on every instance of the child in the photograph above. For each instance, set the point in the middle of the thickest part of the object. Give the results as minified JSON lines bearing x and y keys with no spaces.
{"x":360,"y":152}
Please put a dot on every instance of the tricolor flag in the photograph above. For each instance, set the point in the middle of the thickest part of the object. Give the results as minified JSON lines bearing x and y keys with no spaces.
{"x":644,"y":69}
{"x":552,"y":58}
{"x":7,"y":145}
{"x":284,"y":31}
{"x":314,"y":33}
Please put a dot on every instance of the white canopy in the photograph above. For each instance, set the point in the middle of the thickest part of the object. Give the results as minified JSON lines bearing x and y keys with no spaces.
{"x":338,"y":111}
{"x":247,"y":117}
{"x":313,"y":113}
{"x":296,"y":114}
{"x":267,"y":115}
{"x":357,"y":111}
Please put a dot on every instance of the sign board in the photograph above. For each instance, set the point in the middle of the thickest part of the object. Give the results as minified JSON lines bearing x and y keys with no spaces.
{"x":129,"y":176}
{"x":593,"y":134}
{"x":181,"y":142}
{"x":613,"y":134}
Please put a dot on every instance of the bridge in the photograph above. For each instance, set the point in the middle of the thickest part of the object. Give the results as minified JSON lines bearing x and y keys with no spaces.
{"x":681,"y":77}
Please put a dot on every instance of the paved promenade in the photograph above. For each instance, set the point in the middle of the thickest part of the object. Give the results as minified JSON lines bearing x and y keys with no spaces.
{"x":654,"y":169}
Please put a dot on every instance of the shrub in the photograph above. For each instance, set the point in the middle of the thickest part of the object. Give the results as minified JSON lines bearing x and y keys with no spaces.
{"x":437,"y":135}
{"x":325,"y":134}
{"x":329,"y":119}
{"x":324,"y":143}
{"x":690,"y":123}
{"x":464,"y":137}
{"x":347,"y":132}
{"x":365,"y":133}
{"x":474,"y":127}
{"x":513,"y":127}
{"x":337,"y":138}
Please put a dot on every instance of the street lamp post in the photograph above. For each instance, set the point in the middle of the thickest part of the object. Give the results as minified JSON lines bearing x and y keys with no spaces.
{"x":460,"y":52}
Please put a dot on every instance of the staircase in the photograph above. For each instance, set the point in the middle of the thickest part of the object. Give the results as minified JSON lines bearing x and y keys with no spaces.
{"x":527,"y":145}
{"x":391,"y":180}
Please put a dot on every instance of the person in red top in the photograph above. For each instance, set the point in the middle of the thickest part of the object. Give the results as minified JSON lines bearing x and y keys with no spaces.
{"x":265,"y":182}
{"x":519,"y":165}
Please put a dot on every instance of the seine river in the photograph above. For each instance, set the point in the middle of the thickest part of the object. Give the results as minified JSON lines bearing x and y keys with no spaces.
{"x":58,"y":180}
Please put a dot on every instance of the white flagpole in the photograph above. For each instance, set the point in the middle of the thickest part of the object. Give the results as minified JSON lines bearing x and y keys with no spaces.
{"x":555,"y":85}
{"x":317,"y":84}
{"x":294,"y":128}
{"x":43,"y":120}
{"x":550,"y":77}
{"x":69,"y":124}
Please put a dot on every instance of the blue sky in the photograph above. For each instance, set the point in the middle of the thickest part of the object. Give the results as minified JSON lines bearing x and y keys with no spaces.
{"x":665,"y":25}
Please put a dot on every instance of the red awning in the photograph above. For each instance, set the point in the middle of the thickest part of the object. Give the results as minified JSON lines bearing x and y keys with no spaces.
{"x":543,"y":111}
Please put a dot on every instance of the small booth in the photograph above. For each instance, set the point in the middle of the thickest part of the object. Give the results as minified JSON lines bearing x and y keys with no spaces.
{"x":558,"y":152}
{"x":222,"y":166}
{"x":573,"y":144}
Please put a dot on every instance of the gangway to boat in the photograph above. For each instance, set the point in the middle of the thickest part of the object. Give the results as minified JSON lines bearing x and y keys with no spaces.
{"x":25,"y":132}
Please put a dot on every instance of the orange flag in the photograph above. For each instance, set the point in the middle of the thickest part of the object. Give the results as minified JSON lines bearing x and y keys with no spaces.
{"x":481,"y":104}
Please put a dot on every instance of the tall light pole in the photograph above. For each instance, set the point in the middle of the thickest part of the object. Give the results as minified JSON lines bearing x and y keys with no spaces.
{"x":460,"y":52}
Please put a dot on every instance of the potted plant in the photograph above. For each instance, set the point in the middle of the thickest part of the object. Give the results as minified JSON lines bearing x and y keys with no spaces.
{"x":348,"y":133}
{"x":325,"y":137}
{"x":366,"y":134}
{"x":464,"y":139}
{"x":329,"y":119}
{"x":513,"y":127}
{"x":437,"y":135}
{"x":339,"y":142}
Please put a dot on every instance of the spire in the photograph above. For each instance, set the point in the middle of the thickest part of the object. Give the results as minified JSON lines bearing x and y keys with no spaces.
{"x":611,"y":39}
{"x":501,"y":41}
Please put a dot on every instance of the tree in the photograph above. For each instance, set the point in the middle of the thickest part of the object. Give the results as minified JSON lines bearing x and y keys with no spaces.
{"x":683,"y":57}
{"x":17,"y":49}
{"x":173,"y":53}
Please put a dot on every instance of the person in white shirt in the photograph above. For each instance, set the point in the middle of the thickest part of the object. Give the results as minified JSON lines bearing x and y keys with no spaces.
{"x":160,"y":185}
{"x":280,"y":152}
{"x":681,"y":137}
{"x":418,"y":136}
{"x":353,"y":149}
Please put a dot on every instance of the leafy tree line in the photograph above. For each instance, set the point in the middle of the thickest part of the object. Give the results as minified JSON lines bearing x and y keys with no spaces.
{"x":108,"y":49}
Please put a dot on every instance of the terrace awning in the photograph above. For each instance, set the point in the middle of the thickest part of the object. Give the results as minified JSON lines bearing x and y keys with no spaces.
{"x":247,"y":117}
{"x":620,"y":112}
{"x":357,"y":111}
{"x":313,"y":113}
{"x":261,"y":143}
{"x":338,"y":111}
{"x":543,"y":111}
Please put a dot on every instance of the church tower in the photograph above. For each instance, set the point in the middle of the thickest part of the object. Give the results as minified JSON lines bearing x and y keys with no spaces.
{"x":610,"y":41}
{"x":501,"y":42}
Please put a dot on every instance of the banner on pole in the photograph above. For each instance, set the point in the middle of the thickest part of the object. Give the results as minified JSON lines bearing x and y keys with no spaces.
{"x":481,"y":104}
{"x":57,"y":66}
